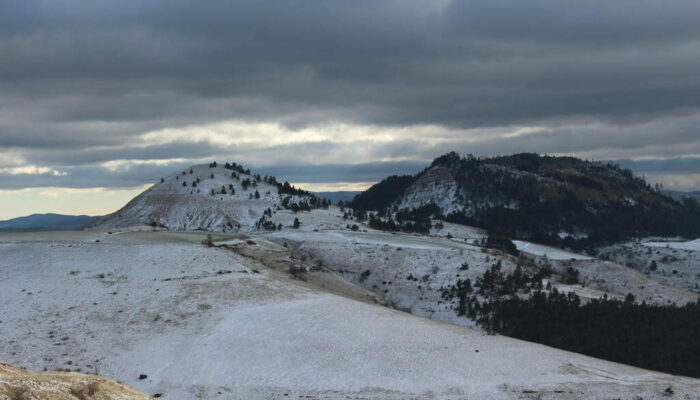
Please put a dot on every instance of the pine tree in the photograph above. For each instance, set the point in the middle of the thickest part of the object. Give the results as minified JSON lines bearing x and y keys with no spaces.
{"x":296,"y":223}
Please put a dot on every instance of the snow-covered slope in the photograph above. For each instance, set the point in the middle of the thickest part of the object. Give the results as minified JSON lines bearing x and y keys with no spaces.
{"x":693,"y":245}
{"x":411,"y":272}
{"x":437,"y":186}
{"x":198,"y":198}
{"x":675,"y":262}
{"x":546,"y":251}
{"x":168,"y":316}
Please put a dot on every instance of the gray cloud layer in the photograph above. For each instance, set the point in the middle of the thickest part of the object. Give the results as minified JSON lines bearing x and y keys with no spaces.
{"x":81,"y":82}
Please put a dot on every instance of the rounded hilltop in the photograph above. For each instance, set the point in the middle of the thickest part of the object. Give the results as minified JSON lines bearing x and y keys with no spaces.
{"x":211,"y":197}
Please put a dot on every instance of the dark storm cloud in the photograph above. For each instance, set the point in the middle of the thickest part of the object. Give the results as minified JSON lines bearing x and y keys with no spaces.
{"x":80,"y":82}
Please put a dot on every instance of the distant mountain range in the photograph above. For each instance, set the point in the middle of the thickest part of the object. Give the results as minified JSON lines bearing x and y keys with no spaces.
{"x":45,"y":222}
{"x":557,"y":200}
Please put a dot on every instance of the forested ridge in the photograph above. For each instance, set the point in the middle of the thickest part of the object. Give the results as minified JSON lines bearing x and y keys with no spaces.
{"x":563,"y":201}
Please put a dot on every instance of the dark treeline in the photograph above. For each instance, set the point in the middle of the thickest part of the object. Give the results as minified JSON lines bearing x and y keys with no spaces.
{"x":415,"y":220}
{"x":380,"y":196}
{"x":661,"y":338}
{"x":308,"y":202}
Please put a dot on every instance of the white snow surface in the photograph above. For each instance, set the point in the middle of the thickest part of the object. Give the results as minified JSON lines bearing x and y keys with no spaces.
{"x":550,"y":252}
{"x":678,"y":263}
{"x":687,"y":245}
{"x":200,"y":323}
{"x":434,"y":186}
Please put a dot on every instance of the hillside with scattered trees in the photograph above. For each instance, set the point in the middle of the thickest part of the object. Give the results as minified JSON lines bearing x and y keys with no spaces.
{"x":563,"y":201}
{"x":212,"y":197}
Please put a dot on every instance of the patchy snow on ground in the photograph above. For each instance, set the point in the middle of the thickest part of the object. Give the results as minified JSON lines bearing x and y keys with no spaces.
{"x":678,"y":264}
{"x":164,"y":314}
{"x":317,"y":219}
{"x":408,"y":271}
{"x":617,"y":280}
{"x":550,"y":252}
{"x":458,"y":232}
{"x":435,"y":186}
{"x":693,"y":245}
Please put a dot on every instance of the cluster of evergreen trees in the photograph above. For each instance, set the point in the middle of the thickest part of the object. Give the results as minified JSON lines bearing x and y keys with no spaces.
{"x":662,"y":338}
{"x":309,"y":202}
{"x":233,"y":167}
{"x":415,"y":220}
{"x":265,"y":223}
{"x":381,"y":195}
{"x":305,"y":204}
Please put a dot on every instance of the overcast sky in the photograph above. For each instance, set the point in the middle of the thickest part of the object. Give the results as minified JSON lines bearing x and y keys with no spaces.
{"x":98,"y":98}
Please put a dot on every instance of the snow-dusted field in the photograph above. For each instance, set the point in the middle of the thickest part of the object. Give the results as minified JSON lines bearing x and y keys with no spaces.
{"x":677,"y":263}
{"x":408,"y":271}
{"x":201,"y":323}
{"x":545,"y":251}
{"x":693,"y":245}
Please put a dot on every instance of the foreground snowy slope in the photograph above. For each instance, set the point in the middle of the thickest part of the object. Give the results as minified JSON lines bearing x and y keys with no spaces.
{"x":166,"y":315}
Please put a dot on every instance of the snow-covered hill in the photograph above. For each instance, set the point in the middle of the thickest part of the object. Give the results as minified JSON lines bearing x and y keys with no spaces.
{"x":202,"y":197}
{"x":166,"y":315}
